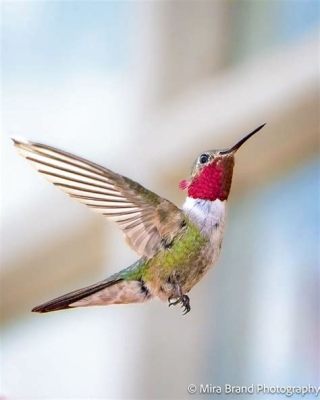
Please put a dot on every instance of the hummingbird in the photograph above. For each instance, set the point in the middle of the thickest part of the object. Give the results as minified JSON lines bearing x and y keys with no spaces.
{"x":176,"y":246}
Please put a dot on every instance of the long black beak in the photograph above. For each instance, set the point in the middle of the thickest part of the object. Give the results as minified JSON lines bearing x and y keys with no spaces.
{"x":243,"y":140}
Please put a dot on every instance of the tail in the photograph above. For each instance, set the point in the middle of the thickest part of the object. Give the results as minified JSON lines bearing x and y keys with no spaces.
{"x":110,"y":291}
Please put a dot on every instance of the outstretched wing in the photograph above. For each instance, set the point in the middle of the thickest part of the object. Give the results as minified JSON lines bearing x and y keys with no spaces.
{"x":147,"y":220}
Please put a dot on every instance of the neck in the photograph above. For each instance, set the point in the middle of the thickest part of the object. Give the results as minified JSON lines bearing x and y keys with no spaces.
{"x":213,"y":182}
{"x":206,"y":214}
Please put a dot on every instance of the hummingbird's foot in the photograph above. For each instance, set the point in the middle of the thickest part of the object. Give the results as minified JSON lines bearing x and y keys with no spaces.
{"x":185,"y":303}
{"x":183,"y":300}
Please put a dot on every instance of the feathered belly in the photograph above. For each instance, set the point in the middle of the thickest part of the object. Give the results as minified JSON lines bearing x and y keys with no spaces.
{"x":208,"y":217}
{"x":185,"y":264}
{"x":192,"y":254}
{"x":207,"y":259}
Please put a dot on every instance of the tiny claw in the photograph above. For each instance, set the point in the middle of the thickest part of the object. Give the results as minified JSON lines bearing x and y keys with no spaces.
{"x":173,"y":302}
{"x":186,"y":310}
{"x":184,"y":302}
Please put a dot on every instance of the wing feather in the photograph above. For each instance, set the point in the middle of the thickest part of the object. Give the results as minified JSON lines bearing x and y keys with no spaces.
{"x":144,"y":217}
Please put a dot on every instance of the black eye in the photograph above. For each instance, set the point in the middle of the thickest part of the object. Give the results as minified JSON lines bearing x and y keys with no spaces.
{"x":203,"y":158}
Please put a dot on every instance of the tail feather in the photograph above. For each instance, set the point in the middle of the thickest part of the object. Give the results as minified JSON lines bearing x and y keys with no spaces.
{"x":126,"y":286}
{"x":65,"y":301}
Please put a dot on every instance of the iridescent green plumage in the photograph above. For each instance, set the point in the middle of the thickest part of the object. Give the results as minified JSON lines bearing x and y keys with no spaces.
{"x":153,"y":277}
{"x":153,"y":226}
{"x":176,"y":246}
{"x":187,"y":247}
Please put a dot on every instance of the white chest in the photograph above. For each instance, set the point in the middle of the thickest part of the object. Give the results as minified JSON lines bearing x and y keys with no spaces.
{"x":208,"y":215}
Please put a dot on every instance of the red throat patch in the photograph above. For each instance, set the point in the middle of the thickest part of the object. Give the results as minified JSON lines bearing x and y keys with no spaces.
{"x":213,"y":181}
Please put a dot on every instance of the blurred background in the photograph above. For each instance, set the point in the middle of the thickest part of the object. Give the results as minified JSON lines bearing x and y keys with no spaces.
{"x":142,"y":88}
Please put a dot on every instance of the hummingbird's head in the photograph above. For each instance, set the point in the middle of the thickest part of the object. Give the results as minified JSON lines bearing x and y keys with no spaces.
{"x":211,"y":174}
